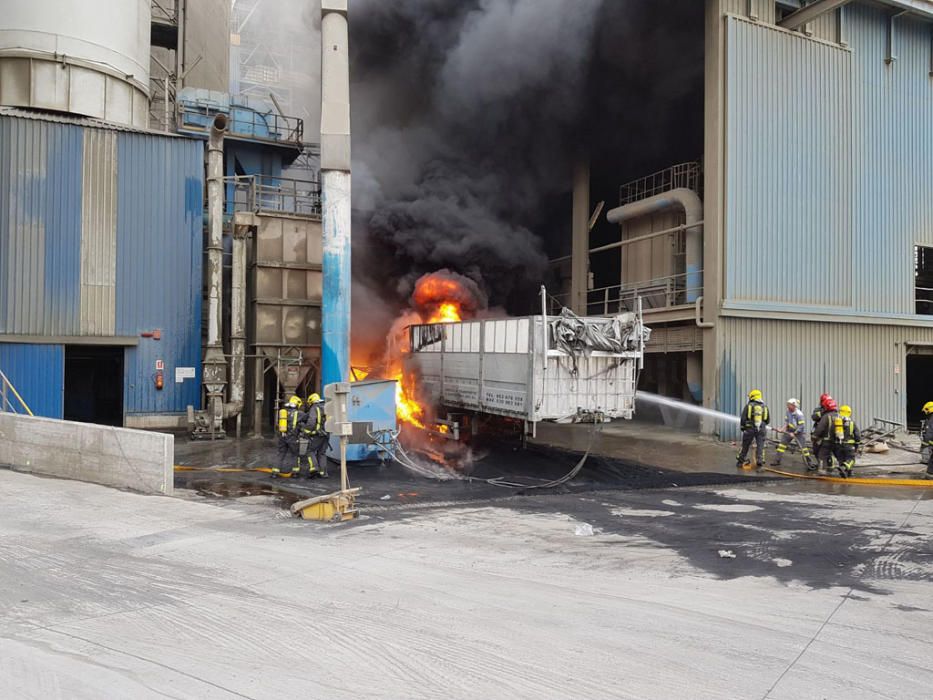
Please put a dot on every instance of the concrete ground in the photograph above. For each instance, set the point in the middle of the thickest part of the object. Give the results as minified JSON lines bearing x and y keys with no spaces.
{"x":760,"y":589}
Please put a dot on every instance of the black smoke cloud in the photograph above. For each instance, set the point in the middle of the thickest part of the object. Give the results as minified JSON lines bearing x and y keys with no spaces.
{"x":467,"y":117}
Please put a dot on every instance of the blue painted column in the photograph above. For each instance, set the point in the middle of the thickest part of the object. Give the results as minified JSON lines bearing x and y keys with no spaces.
{"x":335,"y":191}
{"x":335,"y":220}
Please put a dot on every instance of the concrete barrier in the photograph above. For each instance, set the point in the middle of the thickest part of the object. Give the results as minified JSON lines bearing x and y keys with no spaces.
{"x":130,"y":459}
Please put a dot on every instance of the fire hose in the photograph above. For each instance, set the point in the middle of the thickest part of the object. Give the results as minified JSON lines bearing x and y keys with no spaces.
{"x":393,"y":448}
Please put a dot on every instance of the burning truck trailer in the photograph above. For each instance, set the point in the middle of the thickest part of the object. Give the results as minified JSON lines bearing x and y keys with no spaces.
{"x":522,"y":370}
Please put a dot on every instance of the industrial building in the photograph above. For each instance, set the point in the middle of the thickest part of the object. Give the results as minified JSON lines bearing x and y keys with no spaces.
{"x":108,"y":253}
{"x":797,"y":255}
{"x":788,"y":247}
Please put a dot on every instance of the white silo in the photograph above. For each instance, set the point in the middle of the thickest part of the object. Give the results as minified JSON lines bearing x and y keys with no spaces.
{"x":87,"y":57}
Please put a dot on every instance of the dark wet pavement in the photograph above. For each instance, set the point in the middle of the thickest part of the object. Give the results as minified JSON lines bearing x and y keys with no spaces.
{"x":225,"y":470}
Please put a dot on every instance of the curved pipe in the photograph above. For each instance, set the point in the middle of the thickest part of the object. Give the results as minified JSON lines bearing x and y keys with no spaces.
{"x":692,"y":206}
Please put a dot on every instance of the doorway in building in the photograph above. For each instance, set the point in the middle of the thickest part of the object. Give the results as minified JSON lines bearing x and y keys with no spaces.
{"x":94,"y":384}
{"x":919,"y":382}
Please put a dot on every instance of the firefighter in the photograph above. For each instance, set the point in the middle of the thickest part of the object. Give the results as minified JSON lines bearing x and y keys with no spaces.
{"x":817,"y":414}
{"x":838,"y":437}
{"x":753,"y":421}
{"x":846,"y":440}
{"x":315,"y":437}
{"x":795,"y":430}
{"x":926,"y":436}
{"x":287,"y":426}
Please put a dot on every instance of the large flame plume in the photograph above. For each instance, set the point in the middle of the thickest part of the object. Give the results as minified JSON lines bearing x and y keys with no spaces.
{"x":439,"y":297}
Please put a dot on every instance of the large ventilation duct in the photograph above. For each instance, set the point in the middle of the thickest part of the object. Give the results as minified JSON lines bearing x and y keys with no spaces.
{"x":214,"y":374}
{"x":692,"y":206}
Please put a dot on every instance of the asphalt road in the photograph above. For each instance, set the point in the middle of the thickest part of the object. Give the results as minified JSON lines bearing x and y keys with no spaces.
{"x":752,"y":590}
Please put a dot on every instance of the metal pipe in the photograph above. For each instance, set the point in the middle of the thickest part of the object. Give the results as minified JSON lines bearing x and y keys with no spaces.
{"x":335,"y":191}
{"x":690,"y":202}
{"x":214,"y":373}
{"x":645,"y":237}
{"x":215,"y":222}
{"x":237,"y":326}
{"x":698,"y":315}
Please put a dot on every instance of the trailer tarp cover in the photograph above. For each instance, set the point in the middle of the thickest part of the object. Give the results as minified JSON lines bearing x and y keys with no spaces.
{"x":581,"y":336}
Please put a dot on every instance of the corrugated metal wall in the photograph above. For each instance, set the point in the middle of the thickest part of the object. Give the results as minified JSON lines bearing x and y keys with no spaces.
{"x":100,"y":236}
{"x":788,"y":168}
{"x":862,"y":365}
{"x":893,"y":156}
{"x":829,"y":157}
{"x":158,"y":266}
{"x":38,"y":374}
{"x":40,"y":222}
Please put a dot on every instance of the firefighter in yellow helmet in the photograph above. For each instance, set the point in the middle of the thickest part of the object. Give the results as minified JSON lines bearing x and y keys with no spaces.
{"x":926,"y":436}
{"x":287,"y":430}
{"x":839,"y":437}
{"x":314,"y":438}
{"x":753,"y":422}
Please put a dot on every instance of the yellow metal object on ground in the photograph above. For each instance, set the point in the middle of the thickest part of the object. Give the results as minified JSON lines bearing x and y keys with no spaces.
{"x":332,"y":507}
{"x":865,"y":481}
{"x":226,"y":470}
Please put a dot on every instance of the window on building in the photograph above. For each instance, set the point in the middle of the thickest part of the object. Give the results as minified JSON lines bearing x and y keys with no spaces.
{"x":923,"y":279}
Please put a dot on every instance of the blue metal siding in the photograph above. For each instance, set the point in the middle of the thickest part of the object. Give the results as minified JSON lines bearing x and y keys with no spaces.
{"x":40,"y":226}
{"x":38,"y":373}
{"x":159,"y":244}
{"x":829,"y":155}
{"x":47,"y":180}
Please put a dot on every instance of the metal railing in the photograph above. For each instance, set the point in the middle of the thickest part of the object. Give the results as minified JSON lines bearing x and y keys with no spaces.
{"x":655,"y":294}
{"x":689,"y":175}
{"x":243,"y":122}
{"x":6,"y":403}
{"x":276,"y":195}
{"x":658,"y":293}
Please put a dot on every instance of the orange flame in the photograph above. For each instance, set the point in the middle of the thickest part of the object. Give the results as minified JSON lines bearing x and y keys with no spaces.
{"x":406,"y":408}
{"x":439,"y":297}
{"x":447,"y":312}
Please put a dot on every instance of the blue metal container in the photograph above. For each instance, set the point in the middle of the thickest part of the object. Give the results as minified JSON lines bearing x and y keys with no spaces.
{"x":370,"y":402}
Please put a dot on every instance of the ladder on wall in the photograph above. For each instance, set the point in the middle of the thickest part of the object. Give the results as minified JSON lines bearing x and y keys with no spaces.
{"x":6,"y":403}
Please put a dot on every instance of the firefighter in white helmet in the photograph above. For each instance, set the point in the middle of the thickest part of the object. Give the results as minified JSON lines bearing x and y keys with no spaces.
{"x":795,"y":430}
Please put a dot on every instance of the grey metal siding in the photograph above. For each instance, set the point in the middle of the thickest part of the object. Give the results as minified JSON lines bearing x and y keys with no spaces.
{"x":829,"y":166}
{"x":38,"y":374}
{"x":99,"y":233}
{"x":788,"y":168}
{"x":862,"y":365}
{"x":893,"y":117}
{"x":158,"y":267}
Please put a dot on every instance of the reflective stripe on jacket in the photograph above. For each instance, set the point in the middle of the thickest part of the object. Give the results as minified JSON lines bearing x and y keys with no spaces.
{"x":754,"y":416}
{"x":794,"y":422}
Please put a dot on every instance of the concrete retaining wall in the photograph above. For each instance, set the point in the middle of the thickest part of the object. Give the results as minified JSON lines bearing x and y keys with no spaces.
{"x":120,"y":457}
